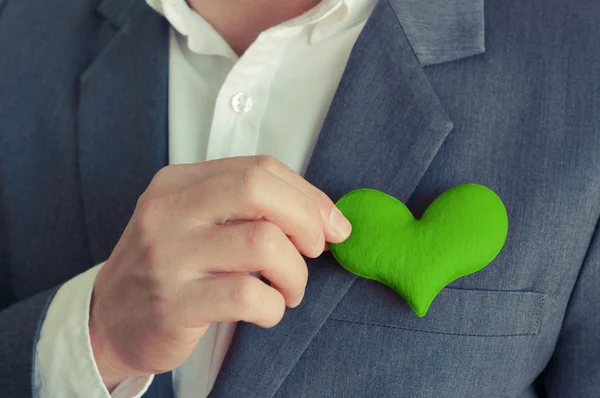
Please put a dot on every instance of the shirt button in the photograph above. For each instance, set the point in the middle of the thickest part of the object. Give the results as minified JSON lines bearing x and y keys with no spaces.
{"x":241,"y":103}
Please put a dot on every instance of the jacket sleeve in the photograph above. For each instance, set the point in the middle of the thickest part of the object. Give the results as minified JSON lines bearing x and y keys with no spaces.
{"x":574,"y":369}
{"x":20,"y":326}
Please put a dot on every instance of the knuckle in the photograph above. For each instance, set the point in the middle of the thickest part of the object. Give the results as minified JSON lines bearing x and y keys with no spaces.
{"x":150,"y":211}
{"x":314,"y":212}
{"x":313,"y":222}
{"x":145,"y":215}
{"x":160,"y":309}
{"x":153,"y":253}
{"x":244,"y":294}
{"x":261,"y":239}
{"x":162,"y":174}
{"x":267,"y":162}
{"x":252,"y":179}
{"x":254,"y":173}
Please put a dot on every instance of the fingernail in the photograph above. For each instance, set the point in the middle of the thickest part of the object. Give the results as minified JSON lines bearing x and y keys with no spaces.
{"x":339,"y":224}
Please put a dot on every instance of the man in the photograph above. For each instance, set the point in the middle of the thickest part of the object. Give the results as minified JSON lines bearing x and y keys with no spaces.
{"x":96,"y":98}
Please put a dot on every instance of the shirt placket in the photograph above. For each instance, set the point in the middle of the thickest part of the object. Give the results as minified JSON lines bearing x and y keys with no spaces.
{"x":243,"y":98}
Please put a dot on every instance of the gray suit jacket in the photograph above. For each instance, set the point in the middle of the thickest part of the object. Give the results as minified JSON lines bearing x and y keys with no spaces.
{"x":422,"y":106}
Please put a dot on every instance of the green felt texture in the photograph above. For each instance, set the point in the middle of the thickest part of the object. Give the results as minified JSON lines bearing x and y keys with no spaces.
{"x":461,"y":232}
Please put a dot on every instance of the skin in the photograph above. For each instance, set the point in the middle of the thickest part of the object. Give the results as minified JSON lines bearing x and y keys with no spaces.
{"x":241,"y":21}
{"x":185,"y":258}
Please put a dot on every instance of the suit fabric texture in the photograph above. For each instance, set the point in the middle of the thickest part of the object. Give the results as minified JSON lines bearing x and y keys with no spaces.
{"x":435,"y":94}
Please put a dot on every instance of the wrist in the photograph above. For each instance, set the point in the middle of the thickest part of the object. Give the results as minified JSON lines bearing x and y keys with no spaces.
{"x":111,"y":376}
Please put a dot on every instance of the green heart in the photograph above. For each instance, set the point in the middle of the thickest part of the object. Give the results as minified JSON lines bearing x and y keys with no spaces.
{"x":461,"y":232}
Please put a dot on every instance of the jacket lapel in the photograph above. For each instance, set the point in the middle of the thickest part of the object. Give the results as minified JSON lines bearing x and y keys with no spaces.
{"x":384,"y":127}
{"x":122,"y":118}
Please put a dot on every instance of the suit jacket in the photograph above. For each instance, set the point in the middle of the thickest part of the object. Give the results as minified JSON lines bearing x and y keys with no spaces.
{"x":435,"y":94}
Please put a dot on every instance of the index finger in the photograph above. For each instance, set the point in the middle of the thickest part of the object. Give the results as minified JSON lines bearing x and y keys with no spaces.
{"x":335,"y":226}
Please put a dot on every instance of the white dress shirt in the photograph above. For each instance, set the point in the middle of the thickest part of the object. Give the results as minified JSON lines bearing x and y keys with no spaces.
{"x":273,"y":100}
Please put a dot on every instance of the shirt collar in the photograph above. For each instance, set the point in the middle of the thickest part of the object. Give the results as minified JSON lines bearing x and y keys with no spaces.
{"x":319,"y":13}
{"x":202,"y":38}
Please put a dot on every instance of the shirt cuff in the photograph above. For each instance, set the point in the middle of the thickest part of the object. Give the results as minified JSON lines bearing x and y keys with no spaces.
{"x":64,"y":363}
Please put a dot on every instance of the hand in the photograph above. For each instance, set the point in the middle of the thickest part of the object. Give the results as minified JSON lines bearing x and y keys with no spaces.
{"x":185,"y":258}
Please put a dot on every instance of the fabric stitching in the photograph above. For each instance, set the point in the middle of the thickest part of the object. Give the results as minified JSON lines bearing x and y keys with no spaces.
{"x":433,"y":332}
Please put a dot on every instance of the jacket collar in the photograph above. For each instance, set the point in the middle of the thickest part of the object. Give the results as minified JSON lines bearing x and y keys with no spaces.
{"x":441,"y":30}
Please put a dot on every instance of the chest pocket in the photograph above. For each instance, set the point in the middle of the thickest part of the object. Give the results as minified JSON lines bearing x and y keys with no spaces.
{"x":471,"y":343}
{"x":483,"y":313}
